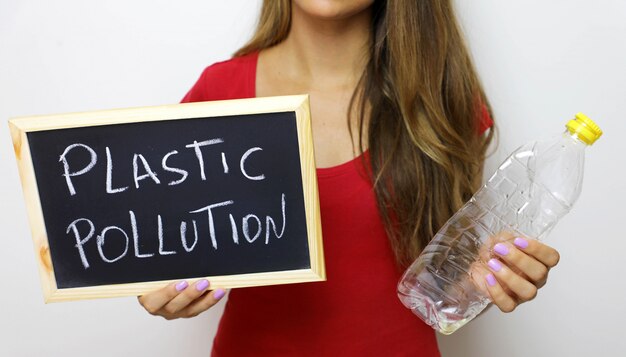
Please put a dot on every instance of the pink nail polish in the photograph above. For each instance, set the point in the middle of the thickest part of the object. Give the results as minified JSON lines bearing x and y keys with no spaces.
{"x":520,"y":243}
{"x":501,"y":249}
{"x":182,"y":285}
{"x":218,"y":294}
{"x":494,"y":265}
{"x":491,"y":280}
{"x":202,"y":285}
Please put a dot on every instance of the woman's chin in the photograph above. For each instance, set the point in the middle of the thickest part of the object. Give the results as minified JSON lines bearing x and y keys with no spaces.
{"x":332,"y":9}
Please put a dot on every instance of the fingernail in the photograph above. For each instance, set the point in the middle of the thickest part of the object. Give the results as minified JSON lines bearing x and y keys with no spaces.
{"x":182,"y":285}
{"x":494,"y":265}
{"x":218,"y":294}
{"x":501,"y":249}
{"x":491,"y":280}
{"x":202,"y":285}
{"x":520,"y":243}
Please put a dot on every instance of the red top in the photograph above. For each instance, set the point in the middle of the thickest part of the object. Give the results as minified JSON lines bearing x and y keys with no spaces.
{"x":356,"y":311}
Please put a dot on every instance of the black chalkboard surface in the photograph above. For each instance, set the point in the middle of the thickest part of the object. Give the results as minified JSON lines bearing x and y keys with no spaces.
{"x":121,"y":202}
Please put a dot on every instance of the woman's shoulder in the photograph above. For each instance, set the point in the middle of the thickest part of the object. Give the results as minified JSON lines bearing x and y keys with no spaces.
{"x":230,"y":79}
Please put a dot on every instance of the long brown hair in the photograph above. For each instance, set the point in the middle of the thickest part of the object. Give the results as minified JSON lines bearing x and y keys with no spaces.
{"x":424,"y":104}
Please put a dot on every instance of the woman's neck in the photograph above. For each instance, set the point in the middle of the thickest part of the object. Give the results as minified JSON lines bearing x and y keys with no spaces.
{"x":326,"y":53}
{"x":324,"y":58}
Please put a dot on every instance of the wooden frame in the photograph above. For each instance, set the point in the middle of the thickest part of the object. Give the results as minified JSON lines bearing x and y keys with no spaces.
{"x":19,"y":128}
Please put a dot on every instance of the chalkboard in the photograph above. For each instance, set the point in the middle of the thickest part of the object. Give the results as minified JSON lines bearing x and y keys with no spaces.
{"x":121,"y":202}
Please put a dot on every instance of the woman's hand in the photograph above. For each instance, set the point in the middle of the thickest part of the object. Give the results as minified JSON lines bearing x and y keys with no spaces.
{"x":178,"y":300}
{"x":516,"y":269}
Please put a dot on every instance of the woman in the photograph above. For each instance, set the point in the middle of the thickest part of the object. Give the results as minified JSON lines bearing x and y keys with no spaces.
{"x":399,"y":121}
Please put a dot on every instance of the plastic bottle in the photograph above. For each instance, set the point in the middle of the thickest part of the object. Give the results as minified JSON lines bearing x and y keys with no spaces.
{"x":534,"y":187}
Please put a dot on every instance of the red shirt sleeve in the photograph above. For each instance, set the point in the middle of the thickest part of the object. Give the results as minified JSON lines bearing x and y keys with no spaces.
{"x":231,"y":79}
{"x":486,"y":121}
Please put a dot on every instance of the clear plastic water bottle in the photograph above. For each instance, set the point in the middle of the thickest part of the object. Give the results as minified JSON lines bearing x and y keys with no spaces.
{"x":534,"y":187}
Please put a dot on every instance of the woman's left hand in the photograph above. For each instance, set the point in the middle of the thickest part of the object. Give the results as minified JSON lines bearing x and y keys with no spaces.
{"x":518,"y":268}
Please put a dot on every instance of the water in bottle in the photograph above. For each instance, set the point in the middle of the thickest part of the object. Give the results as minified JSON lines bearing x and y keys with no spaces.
{"x":526,"y":196}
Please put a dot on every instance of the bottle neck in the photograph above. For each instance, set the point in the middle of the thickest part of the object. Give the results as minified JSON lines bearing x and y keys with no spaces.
{"x":574,"y":139}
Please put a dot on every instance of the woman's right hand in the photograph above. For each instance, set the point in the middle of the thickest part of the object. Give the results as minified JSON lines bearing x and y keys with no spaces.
{"x":180,"y":300}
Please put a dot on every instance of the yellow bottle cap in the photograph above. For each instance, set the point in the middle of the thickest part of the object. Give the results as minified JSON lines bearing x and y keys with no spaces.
{"x":584,"y":128}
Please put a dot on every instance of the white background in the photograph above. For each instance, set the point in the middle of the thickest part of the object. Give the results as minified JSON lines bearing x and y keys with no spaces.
{"x":540,"y":62}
